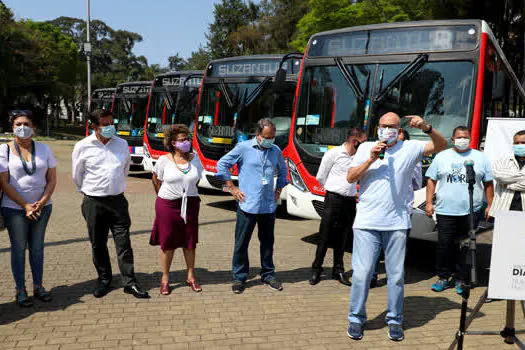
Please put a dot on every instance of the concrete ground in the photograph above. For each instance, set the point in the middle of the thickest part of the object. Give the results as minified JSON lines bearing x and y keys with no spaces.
{"x":301,"y":316}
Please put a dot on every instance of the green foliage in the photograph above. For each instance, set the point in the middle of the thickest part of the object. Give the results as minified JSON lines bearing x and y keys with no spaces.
{"x":334,"y":14}
{"x":176,"y":62}
{"x":112,"y":57}
{"x":198,"y":60}
{"x":231,"y":18}
{"x":278,"y":22}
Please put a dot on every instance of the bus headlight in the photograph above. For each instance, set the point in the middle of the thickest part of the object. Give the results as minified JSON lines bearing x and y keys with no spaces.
{"x":297,"y":181}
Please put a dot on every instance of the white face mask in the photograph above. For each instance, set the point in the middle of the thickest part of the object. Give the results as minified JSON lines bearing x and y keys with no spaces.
{"x":389,"y":135}
{"x":23,"y":132}
{"x":462,"y":144}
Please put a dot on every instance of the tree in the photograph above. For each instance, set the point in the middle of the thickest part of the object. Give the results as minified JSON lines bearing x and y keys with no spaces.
{"x":176,"y":62}
{"x":198,"y":60}
{"x":229,"y":16}
{"x":333,"y":14}
{"x":112,"y":57}
{"x":278,"y":22}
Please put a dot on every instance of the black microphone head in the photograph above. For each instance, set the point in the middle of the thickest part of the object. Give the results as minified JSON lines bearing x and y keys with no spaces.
{"x":469,"y":162}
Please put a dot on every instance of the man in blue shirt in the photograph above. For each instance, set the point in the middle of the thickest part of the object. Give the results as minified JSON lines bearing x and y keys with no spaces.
{"x":258,"y":160}
{"x":452,"y":208}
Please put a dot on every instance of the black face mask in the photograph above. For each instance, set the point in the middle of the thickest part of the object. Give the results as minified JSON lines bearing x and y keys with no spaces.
{"x":357,"y":144}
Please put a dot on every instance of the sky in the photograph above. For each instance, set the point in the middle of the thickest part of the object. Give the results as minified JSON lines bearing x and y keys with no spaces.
{"x":167,"y":26}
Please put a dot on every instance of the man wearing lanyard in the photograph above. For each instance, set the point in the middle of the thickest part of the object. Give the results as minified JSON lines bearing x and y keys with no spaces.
{"x":258,"y":160}
{"x":339,"y":205}
{"x":100,"y":166}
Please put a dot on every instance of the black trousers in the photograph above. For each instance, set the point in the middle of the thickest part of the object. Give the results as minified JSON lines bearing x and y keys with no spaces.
{"x":336,"y":226}
{"x":103,"y":214}
{"x":451,"y":260}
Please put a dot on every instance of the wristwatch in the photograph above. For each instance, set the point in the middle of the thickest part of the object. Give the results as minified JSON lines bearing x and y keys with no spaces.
{"x":429,"y":130}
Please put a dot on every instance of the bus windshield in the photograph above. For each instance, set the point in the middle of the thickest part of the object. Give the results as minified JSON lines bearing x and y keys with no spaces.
{"x":167,"y":108}
{"x":101,"y":103}
{"x":129,"y":115}
{"x":441,"y":92}
{"x":229,"y":111}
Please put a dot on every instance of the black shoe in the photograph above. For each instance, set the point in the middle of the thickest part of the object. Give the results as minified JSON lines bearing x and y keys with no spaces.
{"x":136,"y":291}
{"x":42,"y":294}
{"x":342,"y":278}
{"x":274,"y":284}
{"x":316,"y":278}
{"x":102,"y":289}
{"x":238,"y":287}
{"x":23,"y":300}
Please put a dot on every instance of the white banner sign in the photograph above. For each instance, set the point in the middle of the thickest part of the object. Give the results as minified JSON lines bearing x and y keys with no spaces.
{"x":507,"y":265}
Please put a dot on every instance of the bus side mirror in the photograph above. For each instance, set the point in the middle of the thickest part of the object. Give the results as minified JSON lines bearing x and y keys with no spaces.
{"x":498,"y":85}
{"x":279,"y":84}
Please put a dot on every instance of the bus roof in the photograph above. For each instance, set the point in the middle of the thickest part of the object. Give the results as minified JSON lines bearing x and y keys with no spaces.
{"x":249,"y":57}
{"x":477,"y":22}
{"x":104,"y":90}
{"x":134,"y":83}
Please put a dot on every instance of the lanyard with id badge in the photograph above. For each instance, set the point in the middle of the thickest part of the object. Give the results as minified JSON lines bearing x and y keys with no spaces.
{"x":264,"y":180}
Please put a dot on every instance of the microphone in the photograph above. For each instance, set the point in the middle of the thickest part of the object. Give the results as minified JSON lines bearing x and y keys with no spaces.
{"x":471,"y":174}
{"x":382,"y":153}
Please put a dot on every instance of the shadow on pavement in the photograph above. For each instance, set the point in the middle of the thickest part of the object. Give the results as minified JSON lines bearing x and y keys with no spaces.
{"x":140,"y":174}
{"x":231,"y":205}
{"x":132,"y":233}
{"x":421,"y":310}
{"x":420,"y":261}
{"x":207,"y":277}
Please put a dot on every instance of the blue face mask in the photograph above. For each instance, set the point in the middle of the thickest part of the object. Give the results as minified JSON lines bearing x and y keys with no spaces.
{"x":266,"y":143}
{"x":108,"y":132}
{"x":519,"y":150}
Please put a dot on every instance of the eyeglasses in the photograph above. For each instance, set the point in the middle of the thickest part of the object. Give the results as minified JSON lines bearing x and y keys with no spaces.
{"x":20,"y":113}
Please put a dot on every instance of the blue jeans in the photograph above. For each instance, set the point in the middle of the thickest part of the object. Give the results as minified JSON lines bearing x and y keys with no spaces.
{"x":243,"y":234}
{"x":25,"y":233}
{"x":367,"y":246}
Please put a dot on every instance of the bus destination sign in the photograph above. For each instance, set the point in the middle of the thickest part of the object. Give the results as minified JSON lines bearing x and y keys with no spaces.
{"x":175,"y":81}
{"x":247,"y":68}
{"x":395,"y":40}
{"x":136,"y":89}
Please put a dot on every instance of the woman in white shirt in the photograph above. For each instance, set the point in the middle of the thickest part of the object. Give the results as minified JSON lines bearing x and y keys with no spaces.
{"x":176,"y":225}
{"x":28,"y":179}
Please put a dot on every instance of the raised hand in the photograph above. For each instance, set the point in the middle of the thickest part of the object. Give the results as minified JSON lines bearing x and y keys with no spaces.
{"x":415,"y":121}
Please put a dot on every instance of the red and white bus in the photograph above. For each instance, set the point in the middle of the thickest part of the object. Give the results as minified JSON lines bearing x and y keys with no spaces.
{"x":129,"y":112}
{"x":235,"y":93}
{"x":449,"y":72}
{"x":172,"y":100}
{"x":100,"y":99}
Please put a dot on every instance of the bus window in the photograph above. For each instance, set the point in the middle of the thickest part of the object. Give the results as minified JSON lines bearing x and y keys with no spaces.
{"x":441,"y":92}
{"x":328,"y":107}
{"x":501,"y":97}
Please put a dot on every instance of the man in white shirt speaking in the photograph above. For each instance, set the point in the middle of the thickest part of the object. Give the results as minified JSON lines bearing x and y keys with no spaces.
{"x":339,"y":205}
{"x":100,"y":166}
{"x":384,"y":171}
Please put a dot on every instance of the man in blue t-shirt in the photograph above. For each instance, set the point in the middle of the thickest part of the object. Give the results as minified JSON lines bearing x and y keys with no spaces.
{"x":384,"y":170}
{"x":452,"y":207}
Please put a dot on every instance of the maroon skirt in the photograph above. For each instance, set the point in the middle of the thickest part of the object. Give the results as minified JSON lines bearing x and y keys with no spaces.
{"x":169,"y":229}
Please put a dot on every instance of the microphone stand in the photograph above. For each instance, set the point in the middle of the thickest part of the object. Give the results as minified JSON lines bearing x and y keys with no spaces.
{"x":470,"y":256}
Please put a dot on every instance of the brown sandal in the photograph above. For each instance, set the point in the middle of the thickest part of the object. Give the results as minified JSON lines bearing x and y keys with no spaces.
{"x":165,"y":288}
{"x":194,"y":286}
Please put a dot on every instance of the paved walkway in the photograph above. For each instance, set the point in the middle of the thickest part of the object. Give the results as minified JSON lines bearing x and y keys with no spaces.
{"x":301,"y":316}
